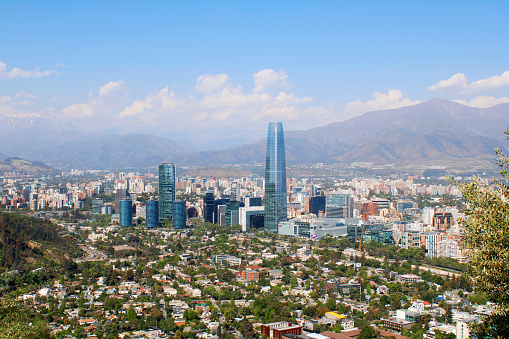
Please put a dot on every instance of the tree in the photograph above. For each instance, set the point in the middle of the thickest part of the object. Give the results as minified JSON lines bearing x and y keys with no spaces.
{"x":367,"y":332}
{"x":487,"y":241}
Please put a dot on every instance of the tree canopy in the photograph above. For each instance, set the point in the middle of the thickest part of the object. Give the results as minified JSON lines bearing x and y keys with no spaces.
{"x":487,"y":241}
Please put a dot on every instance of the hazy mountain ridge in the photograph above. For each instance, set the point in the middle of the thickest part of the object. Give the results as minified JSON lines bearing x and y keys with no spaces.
{"x":64,"y":147}
{"x":26,"y":166}
{"x":434,"y":130}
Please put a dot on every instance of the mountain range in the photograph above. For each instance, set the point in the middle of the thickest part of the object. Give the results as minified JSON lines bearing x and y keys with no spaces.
{"x":437,"y":130}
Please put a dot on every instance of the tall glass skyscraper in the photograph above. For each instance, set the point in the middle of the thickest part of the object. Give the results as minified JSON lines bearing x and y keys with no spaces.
{"x":275,"y":178}
{"x":166,"y":191}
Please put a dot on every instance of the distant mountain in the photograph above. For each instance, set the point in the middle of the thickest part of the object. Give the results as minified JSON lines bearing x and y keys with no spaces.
{"x":62,"y":146}
{"x":435,"y":130}
{"x":26,"y":166}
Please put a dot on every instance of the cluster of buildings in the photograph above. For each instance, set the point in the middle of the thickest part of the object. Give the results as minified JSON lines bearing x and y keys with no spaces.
{"x":299,"y":207}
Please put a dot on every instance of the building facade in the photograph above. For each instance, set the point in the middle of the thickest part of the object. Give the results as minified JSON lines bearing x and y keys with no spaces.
{"x":179,"y":214}
{"x":152,"y":213}
{"x":166,"y":191}
{"x":275,"y":178}
{"x":126,"y":213}
{"x":338,"y":205}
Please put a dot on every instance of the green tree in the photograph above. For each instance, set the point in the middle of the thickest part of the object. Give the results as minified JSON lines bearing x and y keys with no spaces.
{"x":131,"y":314}
{"x":487,"y":241}
{"x":367,"y":332}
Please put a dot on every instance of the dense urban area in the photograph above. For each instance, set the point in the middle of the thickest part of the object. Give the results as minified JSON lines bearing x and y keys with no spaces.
{"x":86,"y":254}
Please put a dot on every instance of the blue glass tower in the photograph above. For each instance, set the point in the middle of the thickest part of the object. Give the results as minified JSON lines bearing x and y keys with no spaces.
{"x":126,"y":212}
{"x":166,"y":191}
{"x":179,"y":214}
{"x":275,"y":178}
{"x":152,"y":213}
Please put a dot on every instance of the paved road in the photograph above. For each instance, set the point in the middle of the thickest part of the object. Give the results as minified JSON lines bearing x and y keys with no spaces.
{"x":92,"y":255}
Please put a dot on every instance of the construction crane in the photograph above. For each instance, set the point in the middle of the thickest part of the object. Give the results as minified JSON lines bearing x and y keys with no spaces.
{"x":360,"y":241}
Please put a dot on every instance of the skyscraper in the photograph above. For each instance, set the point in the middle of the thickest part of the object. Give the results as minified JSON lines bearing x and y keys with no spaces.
{"x":152,"y":215}
{"x":126,"y":212}
{"x":179,"y":214}
{"x":275,"y":178}
{"x":209,"y":205}
{"x":166,"y":191}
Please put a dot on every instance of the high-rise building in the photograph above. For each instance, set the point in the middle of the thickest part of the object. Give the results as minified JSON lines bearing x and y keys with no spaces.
{"x":179,"y":214}
{"x":152,"y":213}
{"x":126,"y":212}
{"x":317,"y":204}
{"x":339,"y":205}
{"x":122,"y":193}
{"x":275,"y":178}
{"x":232,"y":213}
{"x":166,"y":191}
{"x":208,"y":208}
{"x":97,"y":205}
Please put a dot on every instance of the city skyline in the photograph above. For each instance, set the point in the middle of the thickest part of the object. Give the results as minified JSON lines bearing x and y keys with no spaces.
{"x":191,"y":71}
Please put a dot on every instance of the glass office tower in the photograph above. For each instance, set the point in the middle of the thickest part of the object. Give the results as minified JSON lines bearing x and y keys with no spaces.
{"x":275,"y":178}
{"x":152,"y":213}
{"x":126,"y":212}
{"x":166,"y":191}
{"x":179,"y":214}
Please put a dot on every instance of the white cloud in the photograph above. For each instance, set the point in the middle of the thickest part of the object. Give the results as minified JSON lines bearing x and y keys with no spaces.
{"x":25,"y":95}
{"x":456,"y":82}
{"x":496,"y":81}
{"x":483,"y":101}
{"x":19,"y":73}
{"x":208,"y":83}
{"x":107,"y":103}
{"x":164,"y":100}
{"x":111,"y":87}
{"x":79,"y":111}
{"x":268,"y":78}
{"x":5,"y":98}
{"x":459,"y":82}
{"x":392,"y":99}
{"x":220,"y":104}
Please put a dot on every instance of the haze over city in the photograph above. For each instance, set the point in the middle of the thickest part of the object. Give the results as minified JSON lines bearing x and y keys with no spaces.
{"x":191,"y":71}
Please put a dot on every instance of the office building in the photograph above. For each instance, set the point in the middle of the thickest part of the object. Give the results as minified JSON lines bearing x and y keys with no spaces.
{"x":339,"y":205}
{"x":404,"y":203}
{"x":232,"y":213}
{"x":275,"y":178}
{"x":208,"y":207}
{"x":317,"y":204}
{"x":251,"y":217}
{"x":252,"y":201}
{"x":152,"y":213}
{"x":121,"y":194}
{"x":442,"y":221}
{"x":179,"y":214}
{"x":166,"y":191}
{"x":97,"y":205}
{"x":126,"y":213}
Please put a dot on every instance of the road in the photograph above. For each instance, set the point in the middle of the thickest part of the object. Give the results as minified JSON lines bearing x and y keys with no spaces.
{"x":92,"y":255}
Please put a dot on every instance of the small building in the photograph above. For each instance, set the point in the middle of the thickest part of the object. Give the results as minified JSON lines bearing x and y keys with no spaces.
{"x":396,"y":324}
{"x":278,"y":329}
{"x":250,"y":275}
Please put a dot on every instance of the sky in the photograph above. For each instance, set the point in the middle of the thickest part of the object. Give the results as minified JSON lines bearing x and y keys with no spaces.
{"x":214,"y":73}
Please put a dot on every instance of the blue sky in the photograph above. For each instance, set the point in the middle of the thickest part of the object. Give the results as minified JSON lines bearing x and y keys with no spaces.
{"x":214,"y":73}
